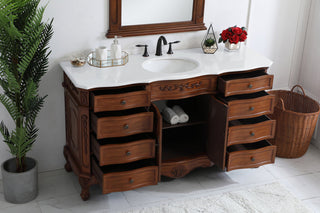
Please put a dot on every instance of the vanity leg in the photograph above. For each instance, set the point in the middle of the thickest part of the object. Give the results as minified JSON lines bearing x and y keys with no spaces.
{"x":85,"y":184}
{"x":67,"y":166}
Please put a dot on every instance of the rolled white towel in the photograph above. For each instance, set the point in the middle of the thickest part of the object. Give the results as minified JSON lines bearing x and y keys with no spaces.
{"x":183,"y":117}
{"x":170,"y":116}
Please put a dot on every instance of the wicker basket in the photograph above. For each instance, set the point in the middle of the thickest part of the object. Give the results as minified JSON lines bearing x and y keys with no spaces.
{"x":296,"y":115}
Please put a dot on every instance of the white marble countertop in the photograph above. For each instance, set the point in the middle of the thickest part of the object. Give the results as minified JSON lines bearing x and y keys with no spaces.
{"x":89,"y":77}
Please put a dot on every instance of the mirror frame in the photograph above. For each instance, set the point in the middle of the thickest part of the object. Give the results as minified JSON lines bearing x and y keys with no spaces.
{"x":115,"y":27}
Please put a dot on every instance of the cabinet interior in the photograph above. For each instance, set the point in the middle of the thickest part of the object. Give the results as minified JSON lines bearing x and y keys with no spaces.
{"x":110,"y":91}
{"x":242,"y":97}
{"x":249,"y":121}
{"x":127,"y":166}
{"x":248,"y":146}
{"x":122,"y":112}
{"x":123,"y":140}
{"x":245,"y":75}
{"x":185,"y":140}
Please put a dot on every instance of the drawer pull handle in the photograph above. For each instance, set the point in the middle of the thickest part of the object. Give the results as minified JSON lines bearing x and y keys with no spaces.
{"x":128,"y":153}
{"x":123,"y":102}
{"x":131,"y":180}
{"x":252,"y":159}
{"x":250,"y":86}
{"x":252,"y":133}
{"x":126,"y":126}
{"x":251,"y":108}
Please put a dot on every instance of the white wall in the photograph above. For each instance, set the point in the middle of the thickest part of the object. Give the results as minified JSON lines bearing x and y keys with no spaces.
{"x":310,"y":71}
{"x":278,"y":30}
{"x":80,"y":25}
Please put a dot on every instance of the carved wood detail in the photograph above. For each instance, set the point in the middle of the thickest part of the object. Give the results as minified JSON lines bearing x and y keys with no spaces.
{"x":180,"y":87}
{"x":177,"y":89}
{"x":85,"y":141}
{"x":85,"y":184}
{"x":80,"y":95}
{"x":177,"y":169}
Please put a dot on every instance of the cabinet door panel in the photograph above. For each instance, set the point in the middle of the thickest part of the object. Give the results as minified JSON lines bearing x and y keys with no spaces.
{"x":217,"y":132}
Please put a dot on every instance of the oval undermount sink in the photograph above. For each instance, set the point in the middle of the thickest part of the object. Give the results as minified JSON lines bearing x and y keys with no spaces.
{"x":170,"y":65}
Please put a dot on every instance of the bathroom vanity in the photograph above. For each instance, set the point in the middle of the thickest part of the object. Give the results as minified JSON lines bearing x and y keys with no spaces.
{"x":115,"y":134}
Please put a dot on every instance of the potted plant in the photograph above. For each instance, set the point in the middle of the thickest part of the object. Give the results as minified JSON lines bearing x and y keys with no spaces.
{"x":232,"y":37}
{"x":24,"y":55}
{"x":209,"y":44}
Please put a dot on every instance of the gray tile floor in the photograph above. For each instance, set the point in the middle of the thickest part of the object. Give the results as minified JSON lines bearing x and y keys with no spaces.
{"x":59,"y":190}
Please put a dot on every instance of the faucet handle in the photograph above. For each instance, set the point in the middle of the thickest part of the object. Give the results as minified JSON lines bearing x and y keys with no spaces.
{"x":145,"y":54}
{"x":170,"y":47}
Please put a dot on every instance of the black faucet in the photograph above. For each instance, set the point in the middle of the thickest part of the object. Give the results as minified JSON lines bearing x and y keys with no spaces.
{"x":159,"y":49}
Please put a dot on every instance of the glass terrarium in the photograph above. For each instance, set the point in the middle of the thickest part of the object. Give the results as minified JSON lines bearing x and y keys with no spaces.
{"x":209,"y":44}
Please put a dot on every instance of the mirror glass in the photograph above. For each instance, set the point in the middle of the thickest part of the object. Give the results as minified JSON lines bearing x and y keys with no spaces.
{"x":137,"y":12}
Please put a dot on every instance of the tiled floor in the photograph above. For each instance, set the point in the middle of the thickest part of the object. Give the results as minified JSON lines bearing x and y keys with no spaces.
{"x":59,"y":190}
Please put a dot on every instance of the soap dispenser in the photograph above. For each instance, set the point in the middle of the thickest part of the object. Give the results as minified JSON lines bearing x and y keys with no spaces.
{"x":115,"y":49}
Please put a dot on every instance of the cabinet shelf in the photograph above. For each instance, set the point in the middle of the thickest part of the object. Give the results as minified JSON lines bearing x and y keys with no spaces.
{"x":194,"y":107}
{"x":189,"y":123}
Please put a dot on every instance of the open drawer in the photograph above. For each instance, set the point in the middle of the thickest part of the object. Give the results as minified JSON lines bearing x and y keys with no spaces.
{"x":250,"y":155}
{"x":250,"y":130}
{"x":119,"y":99}
{"x":123,"y":150}
{"x":244,"y":83}
{"x":125,"y":177}
{"x":122,"y":123}
{"x":249,"y":105}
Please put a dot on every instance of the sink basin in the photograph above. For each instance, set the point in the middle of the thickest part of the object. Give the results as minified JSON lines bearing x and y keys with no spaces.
{"x":170,"y":65}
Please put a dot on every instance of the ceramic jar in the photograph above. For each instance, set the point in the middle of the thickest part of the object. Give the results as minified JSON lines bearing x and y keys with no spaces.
{"x":230,"y":46}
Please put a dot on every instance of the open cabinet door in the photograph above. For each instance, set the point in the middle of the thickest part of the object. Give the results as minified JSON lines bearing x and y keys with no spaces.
{"x":158,"y":134}
{"x":217,"y":132}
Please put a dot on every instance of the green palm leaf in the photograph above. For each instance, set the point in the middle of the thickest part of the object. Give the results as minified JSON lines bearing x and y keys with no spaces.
{"x":24,"y":54}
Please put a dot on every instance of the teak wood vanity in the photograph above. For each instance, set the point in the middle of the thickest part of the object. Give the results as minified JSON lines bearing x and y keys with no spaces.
{"x":115,"y":135}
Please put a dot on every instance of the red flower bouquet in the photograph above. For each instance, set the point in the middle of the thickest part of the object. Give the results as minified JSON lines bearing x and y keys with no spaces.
{"x":233,"y":35}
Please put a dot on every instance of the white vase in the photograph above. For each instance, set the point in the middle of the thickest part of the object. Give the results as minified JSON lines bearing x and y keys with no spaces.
{"x":230,"y":47}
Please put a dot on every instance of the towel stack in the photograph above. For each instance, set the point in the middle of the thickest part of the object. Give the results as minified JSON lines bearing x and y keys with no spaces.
{"x":175,"y":115}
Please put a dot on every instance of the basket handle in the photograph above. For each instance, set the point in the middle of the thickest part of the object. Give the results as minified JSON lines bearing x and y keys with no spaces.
{"x":304,"y":94}
{"x":282,"y":104}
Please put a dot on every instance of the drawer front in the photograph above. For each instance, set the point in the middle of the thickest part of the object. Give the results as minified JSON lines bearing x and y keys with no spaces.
{"x":100,"y":103}
{"x":249,"y":108}
{"x":246,"y":85}
{"x":128,"y":180}
{"x":251,"y":158}
{"x":178,"y":89}
{"x":251,"y":133}
{"x":123,"y":153}
{"x":120,"y":126}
